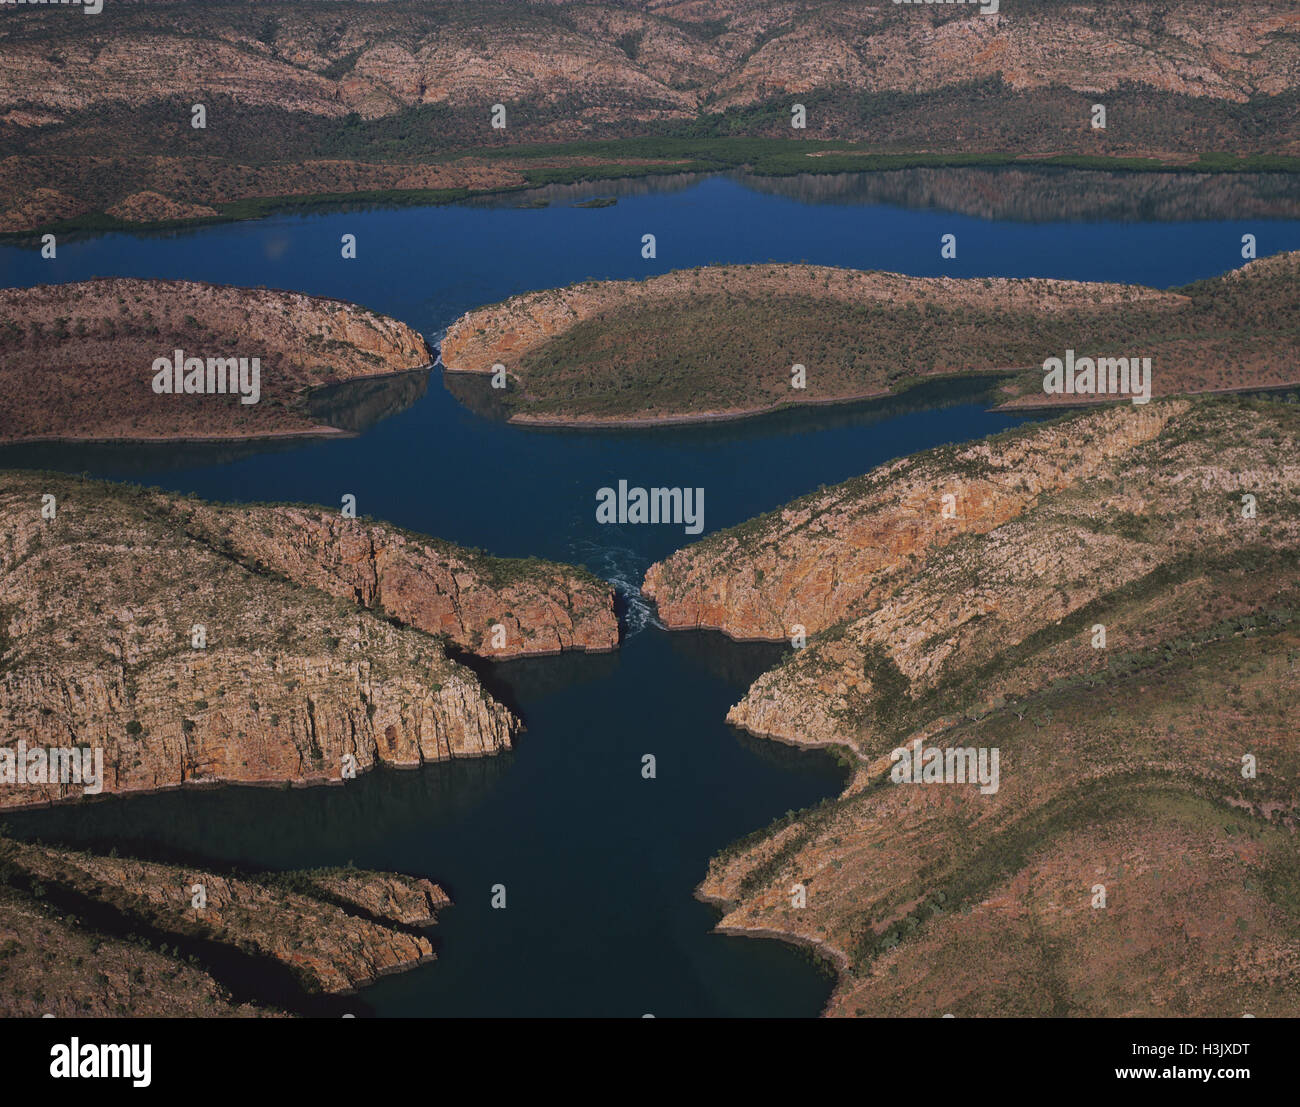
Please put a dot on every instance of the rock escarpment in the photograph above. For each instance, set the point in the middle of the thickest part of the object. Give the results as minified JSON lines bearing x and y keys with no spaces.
{"x":79,"y":358}
{"x":1114,"y":609}
{"x":193,"y":656}
{"x":539,"y":607}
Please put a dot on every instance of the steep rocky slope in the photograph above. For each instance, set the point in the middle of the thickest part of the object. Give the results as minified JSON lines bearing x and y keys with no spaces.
{"x":78,"y":359}
{"x":540,"y":607}
{"x":1114,"y":609}
{"x":649,"y":59}
{"x":319,"y":638}
{"x":305,"y":101}
{"x":332,"y":931}
{"x":723,"y":341}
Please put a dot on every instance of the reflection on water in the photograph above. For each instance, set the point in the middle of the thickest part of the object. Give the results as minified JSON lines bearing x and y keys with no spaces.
{"x":358,"y":405}
{"x":1048,"y":195}
{"x":475,"y":392}
{"x":352,"y":406}
{"x":260,"y":828}
{"x":599,"y":862}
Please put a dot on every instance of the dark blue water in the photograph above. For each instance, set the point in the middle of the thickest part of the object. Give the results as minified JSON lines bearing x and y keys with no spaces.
{"x":428,"y":265}
{"x":599,"y":864}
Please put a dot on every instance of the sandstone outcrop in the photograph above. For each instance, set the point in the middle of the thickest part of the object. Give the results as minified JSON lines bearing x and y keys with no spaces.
{"x":293,"y":676}
{"x":641,"y":58}
{"x":302,"y":105}
{"x":438,"y":587}
{"x":335,"y":930}
{"x":1114,"y":609}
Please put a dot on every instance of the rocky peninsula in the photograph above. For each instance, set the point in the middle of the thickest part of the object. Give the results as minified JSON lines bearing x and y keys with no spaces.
{"x":81,"y":361}
{"x":727,"y":341}
{"x":196,"y":644}
{"x":169,"y":940}
{"x":1110,"y":602}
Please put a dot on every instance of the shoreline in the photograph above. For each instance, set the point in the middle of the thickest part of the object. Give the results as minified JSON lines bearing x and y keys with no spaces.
{"x":317,"y":430}
{"x":612,"y":423}
{"x":1010,"y":407}
{"x":832,"y":957}
{"x":821,"y":162}
{"x":991,"y":377}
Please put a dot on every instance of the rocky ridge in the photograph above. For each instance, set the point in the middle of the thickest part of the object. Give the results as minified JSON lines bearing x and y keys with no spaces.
{"x":722,"y":341}
{"x":334,"y":931}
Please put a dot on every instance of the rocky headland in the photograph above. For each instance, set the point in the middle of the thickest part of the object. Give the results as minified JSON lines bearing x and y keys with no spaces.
{"x":198,"y":644}
{"x":1108,"y":600}
{"x":93,"y":934}
{"x":78,"y":360}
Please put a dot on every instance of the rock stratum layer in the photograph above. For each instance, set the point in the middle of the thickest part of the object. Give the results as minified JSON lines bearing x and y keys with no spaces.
{"x":723,"y":341}
{"x":253,"y":946}
{"x":1113,"y":606}
{"x":78,"y":359}
{"x":300,"y":102}
{"x":321,"y":637}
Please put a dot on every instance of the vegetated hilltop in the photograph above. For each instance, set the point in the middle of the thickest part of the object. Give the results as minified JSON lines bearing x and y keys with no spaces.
{"x":1114,"y":607}
{"x":722,"y":341}
{"x":88,"y":934}
{"x":319,"y":638}
{"x":322,"y":98}
{"x":78,"y":359}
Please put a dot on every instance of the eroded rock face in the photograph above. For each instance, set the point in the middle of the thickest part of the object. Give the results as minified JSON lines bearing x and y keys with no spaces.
{"x":336,"y":930}
{"x":825,"y":556}
{"x":296,"y":677}
{"x":79,"y":358}
{"x":539,"y":606}
{"x":650,"y":61}
{"x":1046,"y":521}
{"x":1185,"y":78}
{"x":1123,"y":631}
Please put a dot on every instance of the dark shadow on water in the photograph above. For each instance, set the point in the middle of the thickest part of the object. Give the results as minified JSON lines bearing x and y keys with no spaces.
{"x":475,"y":392}
{"x":262,"y":829}
{"x":737,"y":664}
{"x":519,"y":681}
